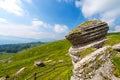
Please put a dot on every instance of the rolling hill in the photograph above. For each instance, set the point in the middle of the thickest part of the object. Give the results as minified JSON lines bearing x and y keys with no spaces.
{"x":58,"y":65}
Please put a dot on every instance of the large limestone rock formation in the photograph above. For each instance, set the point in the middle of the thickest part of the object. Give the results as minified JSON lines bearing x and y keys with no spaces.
{"x":95,"y":65}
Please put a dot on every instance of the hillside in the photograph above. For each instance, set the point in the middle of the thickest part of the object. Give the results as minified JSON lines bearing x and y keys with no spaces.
{"x":55,"y":57}
{"x":50,"y":54}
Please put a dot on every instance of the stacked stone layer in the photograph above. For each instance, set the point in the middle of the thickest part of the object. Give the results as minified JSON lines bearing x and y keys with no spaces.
{"x":94,"y":31}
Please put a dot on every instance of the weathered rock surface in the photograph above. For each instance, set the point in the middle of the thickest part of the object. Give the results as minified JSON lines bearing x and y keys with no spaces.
{"x":39,"y":63}
{"x":88,"y":32}
{"x":3,"y":78}
{"x":74,"y":50}
{"x":116,"y":47}
{"x":19,"y":71}
{"x":97,"y":64}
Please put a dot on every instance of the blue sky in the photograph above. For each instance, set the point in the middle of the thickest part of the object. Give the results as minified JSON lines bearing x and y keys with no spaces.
{"x":53,"y":19}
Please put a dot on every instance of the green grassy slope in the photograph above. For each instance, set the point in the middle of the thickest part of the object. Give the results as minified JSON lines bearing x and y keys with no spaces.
{"x":4,"y":55}
{"x":113,"y":38}
{"x":55,"y":52}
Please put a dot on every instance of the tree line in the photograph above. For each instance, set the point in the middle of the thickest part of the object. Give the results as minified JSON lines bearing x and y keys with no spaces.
{"x":14,"y":48}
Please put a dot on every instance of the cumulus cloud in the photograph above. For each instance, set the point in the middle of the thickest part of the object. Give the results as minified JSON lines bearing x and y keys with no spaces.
{"x":12,"y":6}
{"x":3,"y":20}
{"x":60,"y":28}
{"x":36,"y":22}
{"x":92,"y":7}
{"x":37,"y":30}
{"x":17,"y":30}
{"x":106,"y":10}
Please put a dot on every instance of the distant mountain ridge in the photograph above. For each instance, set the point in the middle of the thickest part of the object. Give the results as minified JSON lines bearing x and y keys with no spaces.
{"x":14,"y":48}
{"x":15,"y":40}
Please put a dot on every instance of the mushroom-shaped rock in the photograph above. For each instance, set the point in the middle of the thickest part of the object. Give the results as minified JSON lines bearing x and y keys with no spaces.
{"x":87,"y":32}
{"x":39,"y":63}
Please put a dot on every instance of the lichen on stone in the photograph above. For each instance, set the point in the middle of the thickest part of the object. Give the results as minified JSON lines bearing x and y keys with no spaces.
{"x":84,"y":24}
{"x":86,"y":52}
{"x":88,"y":31}
{"x":89,"y":22}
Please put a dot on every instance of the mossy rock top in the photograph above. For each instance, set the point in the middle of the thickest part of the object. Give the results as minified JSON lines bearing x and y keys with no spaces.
{"x":88,"y":31}
{"x":83,"y":25}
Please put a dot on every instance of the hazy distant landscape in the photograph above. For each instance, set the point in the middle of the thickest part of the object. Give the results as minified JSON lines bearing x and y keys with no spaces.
{"x":14,"y":48}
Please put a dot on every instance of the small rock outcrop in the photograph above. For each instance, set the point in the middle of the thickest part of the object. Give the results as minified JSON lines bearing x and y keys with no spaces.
{"x":88,"y":32}
{"x":116,"y":47}
{"x":39,"y":63}
{"x":19,"y":71}
{"x":95,"y":65}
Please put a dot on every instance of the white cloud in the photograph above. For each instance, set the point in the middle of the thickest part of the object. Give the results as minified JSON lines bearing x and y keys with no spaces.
{"x":60,"y":28}
{"x":65,"y":1}
{"x":110,"y":16}
{"x":36,"y":22}
{"x":29,"y":1}
{"x":92,"y":7}
{"x":24,"y":31}
{"x":106,"y":10}
{"x":37,"y":30}
{"x":12,"y":6}
{"x":78,"y":3}
{"x":57,"y":27}
{"x":17,"y":30}
{"x":3,"y":20}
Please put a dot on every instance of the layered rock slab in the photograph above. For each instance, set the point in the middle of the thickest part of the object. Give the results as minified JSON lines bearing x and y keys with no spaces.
{"x":88,"y":31}
{"x":95,"y":66}
{"x":78,"y":49}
